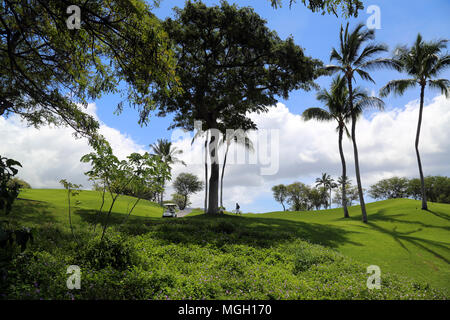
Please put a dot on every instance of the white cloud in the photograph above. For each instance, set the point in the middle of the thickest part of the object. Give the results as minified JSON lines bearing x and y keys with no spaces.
{"x":50,"y":154}
{"x":385,"y":142}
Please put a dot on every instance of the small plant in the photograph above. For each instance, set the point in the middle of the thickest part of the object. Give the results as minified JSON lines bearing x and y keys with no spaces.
{"x":72,"y":191}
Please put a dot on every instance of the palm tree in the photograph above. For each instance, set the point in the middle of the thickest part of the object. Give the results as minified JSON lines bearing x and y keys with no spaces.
{"x":423,"y":62}
{"x":328,"y":183}
{"x":168,"y":153}
{"x":350,"y":62}
{"x":336,"y":103}
{"x":237,"y":136}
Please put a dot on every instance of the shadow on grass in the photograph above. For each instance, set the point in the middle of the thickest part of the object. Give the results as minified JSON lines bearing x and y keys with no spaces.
{"x":31,"y":212}
{"x":407,"y":237}
{"x":439,"y":215}
{"x":221,"y":230}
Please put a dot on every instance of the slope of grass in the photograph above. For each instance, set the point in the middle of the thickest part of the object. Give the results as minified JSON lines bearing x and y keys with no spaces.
{"x":399,"y":237}
{"x":266,"y":256}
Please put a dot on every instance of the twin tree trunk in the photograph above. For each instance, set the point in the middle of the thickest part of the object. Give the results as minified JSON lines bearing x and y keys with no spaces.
{"x":213,"y":194}
{"x":419,"y":162}
{"x":344,"y":173}
{"x":355,"y":151}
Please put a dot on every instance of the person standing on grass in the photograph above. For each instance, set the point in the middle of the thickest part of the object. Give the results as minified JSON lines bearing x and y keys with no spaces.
{"x":237,"y":208}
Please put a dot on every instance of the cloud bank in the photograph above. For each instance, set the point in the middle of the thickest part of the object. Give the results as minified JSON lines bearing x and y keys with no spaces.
{"x":305,"y":150}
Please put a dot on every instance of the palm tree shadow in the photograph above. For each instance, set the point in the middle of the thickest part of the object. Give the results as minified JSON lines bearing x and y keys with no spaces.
{"x":226,"y":229}
{"x":401,"y":237}
{"x":439,"y":215}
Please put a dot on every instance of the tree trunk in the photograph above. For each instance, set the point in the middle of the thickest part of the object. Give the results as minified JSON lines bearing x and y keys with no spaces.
{"x":330,"y":197}
{"x":355,"y":151}
{"x":206,"y":172}
{"x":419,"y":162}
{"x":70,"y":214}
{"x":344,"y":174}
{"x":213,"y":199}
{"x":185,"y":201}
{"x":162,"y":192}
{"x":284,"y":208}
{"x":221,"y":178}
{"x":101,"y":207}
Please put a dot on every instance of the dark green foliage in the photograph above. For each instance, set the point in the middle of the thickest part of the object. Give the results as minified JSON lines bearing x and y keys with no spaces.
{"x":186,"y":184}
{"x":45,"y":73}
{"x":190,"y":259}
{"x":348,"y":8}
{"x":9,"y":189}
{"x":391,"y":188}
{"x":229,"y":64}
{"x":437,"y":188}
{"x":280,"y":194}
{"x":22,"y":183}
{"x":112,"y":252}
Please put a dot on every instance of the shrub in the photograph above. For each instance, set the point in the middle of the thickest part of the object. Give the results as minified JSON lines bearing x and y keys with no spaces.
{"x":114,"y":251}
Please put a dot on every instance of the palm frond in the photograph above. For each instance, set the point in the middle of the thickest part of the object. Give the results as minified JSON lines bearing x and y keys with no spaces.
{"x":364,"y":75}
{"x":398,"y":87}
{"x":441,"y":84}
{"x":318,"y":114}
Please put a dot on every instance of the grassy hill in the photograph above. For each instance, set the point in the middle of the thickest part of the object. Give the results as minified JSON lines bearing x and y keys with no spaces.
{"x":399,"y":237}
{"x":278,"y":255}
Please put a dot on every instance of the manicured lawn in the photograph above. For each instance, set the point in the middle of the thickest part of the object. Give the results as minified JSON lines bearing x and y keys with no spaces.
{"x":399,"y":237}
{"x":279,"y":255}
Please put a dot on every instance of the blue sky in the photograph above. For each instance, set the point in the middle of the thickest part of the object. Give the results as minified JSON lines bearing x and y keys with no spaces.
{"x":401,"y":20}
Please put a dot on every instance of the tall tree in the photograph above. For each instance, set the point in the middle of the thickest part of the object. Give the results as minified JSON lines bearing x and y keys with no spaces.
{"x":168,"y":153}
{"x":50,"y":72}
{"x":186,"y":184}
{"x":348,"y":8}
{"x":239,"y":137}
{"x":280,"y":193}
{"x":423,"y":62}
{"x":337,"y":109}
{"x":351,"y":60}
{"x":229,"y":65}
{"x":328,"y":183}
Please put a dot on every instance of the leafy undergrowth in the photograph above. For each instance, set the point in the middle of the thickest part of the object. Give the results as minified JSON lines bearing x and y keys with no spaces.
{"x":196,"y":258}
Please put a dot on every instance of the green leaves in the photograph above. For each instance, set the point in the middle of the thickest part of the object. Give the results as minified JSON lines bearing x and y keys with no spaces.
{"x":229,"y":64}
{"x":49,"y":72}
{"x":9,"y":189}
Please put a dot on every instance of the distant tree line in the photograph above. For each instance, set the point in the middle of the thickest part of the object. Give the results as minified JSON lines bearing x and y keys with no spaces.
{"x":437,"y":188}
{"x":301,"y":197}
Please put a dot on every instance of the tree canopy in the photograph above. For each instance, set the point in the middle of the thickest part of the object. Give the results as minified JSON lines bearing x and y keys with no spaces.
{"x":348,"y":8}
{"x":50,"y":72}
{"x":229,"y":64}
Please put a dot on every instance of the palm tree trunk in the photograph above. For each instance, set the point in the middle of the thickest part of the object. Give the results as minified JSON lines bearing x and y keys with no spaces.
{"x":206,"y":172}
{"x":355,"y":151}
{"x":419,"y":162}
{"x":344,"y":173}
{"x":330,"y":197}
{"x":221,"y":178}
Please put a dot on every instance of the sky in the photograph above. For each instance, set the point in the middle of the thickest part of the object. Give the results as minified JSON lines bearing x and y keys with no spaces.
{"x":304,"y":149}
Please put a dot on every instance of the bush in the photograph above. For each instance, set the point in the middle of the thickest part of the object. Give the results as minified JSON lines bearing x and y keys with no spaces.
{"x":114,"y":251}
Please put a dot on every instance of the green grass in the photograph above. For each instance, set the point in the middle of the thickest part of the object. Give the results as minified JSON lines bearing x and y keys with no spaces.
{"x":399,"y":237}
{"x":280,"y":255}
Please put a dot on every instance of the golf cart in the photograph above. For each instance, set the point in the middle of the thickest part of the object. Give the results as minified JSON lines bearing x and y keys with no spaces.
{"x":169,"y":210}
